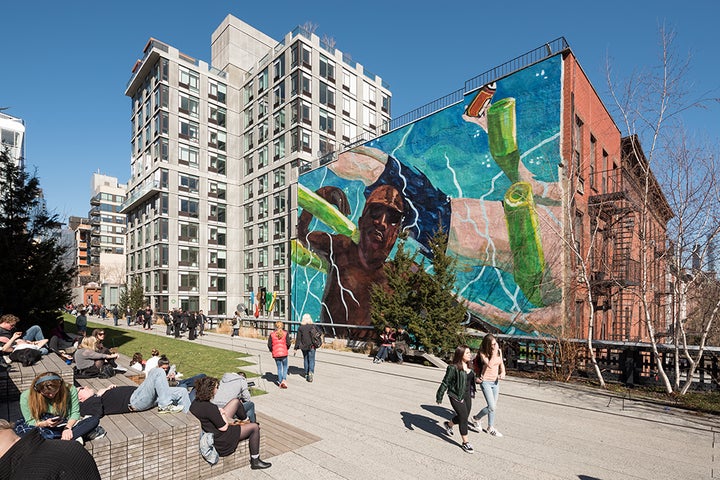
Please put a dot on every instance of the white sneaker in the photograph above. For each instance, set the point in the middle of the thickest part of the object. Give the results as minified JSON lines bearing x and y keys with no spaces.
{"x":494,"y":432}
{"x":170,"y":409}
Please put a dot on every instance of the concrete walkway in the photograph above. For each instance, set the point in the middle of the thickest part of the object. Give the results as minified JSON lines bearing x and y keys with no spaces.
{"x":381,"y":421}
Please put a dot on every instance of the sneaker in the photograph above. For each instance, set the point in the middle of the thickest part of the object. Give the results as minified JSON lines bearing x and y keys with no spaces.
{"x":473,"y":427}
{"x":494,"y":432}
{"x":80,"y":440}
{"x":170,"y":409}
{"x":448,"y":428}
{"x":467,"y":448}
{"x":96,"y":434}
{"x":310,"y":377}
{"x":120,"y":369}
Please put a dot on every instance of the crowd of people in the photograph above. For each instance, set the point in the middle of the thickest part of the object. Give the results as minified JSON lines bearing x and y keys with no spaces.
{"x":54,"y":410}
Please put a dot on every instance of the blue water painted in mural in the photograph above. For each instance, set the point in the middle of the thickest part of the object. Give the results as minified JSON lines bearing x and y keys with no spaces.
{"x":454,"y":155}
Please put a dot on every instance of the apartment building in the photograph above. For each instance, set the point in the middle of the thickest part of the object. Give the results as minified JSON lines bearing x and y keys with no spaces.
{"x":216,"y":150}
{"x":107,"y":235}
{"x":12,"y":136}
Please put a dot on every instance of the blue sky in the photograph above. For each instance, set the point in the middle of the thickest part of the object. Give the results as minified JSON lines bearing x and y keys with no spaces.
{"x":66,"y":64}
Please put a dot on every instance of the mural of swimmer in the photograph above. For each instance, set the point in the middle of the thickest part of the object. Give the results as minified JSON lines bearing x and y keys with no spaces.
{"x":485,"y":170}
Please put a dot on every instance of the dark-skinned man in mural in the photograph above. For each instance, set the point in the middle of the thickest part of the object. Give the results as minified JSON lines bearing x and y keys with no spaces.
{"x":354,"y":267}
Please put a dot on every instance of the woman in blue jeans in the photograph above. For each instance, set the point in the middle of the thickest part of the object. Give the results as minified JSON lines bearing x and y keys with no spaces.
{"x":490,"y":369}
{"x":304,"y":343}
{"x":279,"y":343}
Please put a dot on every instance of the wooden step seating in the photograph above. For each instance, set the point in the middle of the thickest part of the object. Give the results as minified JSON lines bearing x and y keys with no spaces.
{"x":19,"y":378}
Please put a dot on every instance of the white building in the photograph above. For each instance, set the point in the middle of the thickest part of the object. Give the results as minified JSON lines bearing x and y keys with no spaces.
{"x":12,"y":136}
{"x":107,"y":235}
{"x":215,"y":155}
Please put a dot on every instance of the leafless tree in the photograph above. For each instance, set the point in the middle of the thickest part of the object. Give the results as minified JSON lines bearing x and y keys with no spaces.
{"x":650,"y":105}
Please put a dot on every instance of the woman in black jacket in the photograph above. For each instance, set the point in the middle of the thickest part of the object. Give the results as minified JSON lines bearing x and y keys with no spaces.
{"x":459,"y":382}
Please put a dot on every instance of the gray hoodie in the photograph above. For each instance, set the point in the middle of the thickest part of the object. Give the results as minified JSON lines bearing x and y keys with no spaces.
{"x":232,"y":385}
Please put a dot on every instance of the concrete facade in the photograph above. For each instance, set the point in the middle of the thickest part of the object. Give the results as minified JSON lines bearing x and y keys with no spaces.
{"x":215,"y":154}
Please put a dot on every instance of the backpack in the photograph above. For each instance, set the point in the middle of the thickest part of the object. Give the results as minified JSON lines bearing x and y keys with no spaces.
{"x":316,"y":337}
{"x":26,"y":356}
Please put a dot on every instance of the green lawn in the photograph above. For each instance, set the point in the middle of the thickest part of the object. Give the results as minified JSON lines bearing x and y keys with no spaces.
{"x":190,"y":358}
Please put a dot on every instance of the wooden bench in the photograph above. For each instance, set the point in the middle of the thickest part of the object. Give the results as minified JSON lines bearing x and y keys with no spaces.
{"x":150,"y":445}
{"x":20,"y":378}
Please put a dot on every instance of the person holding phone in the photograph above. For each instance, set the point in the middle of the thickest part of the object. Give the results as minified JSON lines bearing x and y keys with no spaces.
{"x":52,"y":407}
{"x":490,"y":369}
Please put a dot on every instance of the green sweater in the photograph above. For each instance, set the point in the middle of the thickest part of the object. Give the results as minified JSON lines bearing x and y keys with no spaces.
{"x":73,"y":406}
{"x":455,"y":382}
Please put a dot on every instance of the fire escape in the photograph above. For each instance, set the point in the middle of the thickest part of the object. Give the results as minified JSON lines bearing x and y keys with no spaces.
{"x":614,"y":214}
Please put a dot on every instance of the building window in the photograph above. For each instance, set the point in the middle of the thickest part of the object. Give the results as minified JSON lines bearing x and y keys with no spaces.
{"x":326,"y":145}
{"x":279,"y":254}
{"x":279,"y":202}
{"x":217,"y":190}
{"x":217,"y":164}
{"x":279,"y":94}
{"x":279,"y":148}
{"x":249,"y":144}
{"x":249,"y":118}
{"x":217,"y":91}
{"x":327,"y":122}
{"x":279,"y":121}
{"x":249,"y":239}
{"x":263,"y":80}
{"x":249,"y":213}
{"x":189,"y":105}
{"x":327,"y":68}
{"x":262,"y":257}
{"x":217,"y":115}
{"x":189,"y":79}
{"x":263,"y":236}
{"x":262,"y":183}
{"x":349,"y":82}
{"x":249,"y":260}
{"x":189,"y":183}
{"x":369,"y":118}
{"x":369,"y":93}
{"x":217,"y":212}
{"x":189,"y":256}
{"x":189,"y":281}
{"x":279,"y":177}
{"x":188,"y":155}
{"x":248,"y":191}
{"x":263,"y":131}
{"x":189,"y":130}
{"x":279,"y":67}
{"x":279,"y":228}
{"x":217,"y":140}
{"x":218,"y":235}
{"x":248,"y":165}
{"x":327,"y":95}
{"x":577,"y":153}
{"x":248,"y":93}
{"x":263,"y":157}
{"x":189,"y":232}
{"x":385,"y":105}
{"x":263,"y":207}
{"x":188,"y":207}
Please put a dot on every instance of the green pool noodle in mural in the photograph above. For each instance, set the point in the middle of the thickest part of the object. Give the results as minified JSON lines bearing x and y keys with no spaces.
{"x":502,"y":137}
{"x":327,"y":213}
{"x":305,"y":258}
{"x":524,"y":237}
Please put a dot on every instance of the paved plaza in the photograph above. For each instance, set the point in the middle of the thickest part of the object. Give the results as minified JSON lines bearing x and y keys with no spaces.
{"x":381,"y":421}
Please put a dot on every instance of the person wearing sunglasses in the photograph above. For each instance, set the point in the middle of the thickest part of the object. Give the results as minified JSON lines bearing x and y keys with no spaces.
{"x":52,"y":406}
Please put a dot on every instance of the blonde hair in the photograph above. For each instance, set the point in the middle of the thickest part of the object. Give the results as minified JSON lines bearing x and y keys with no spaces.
{"x":40,"y":404}
{"x":9,"y":318}
{"x":88,"y":342}
{"x":279,"y":332}
{"x":306,"y":319}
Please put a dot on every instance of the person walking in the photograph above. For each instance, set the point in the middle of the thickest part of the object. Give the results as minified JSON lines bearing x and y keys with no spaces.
{"x":490,"y":370}
{"x":279,"y":343}
{"x":307,"y":336}
{"x":459,"y":382}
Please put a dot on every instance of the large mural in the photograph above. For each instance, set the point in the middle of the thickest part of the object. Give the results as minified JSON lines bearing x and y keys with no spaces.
{"x":485,"y":170}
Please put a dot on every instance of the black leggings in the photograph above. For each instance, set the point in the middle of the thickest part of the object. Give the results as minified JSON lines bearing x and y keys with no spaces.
{"x":252,"y":431}
{"x":462,"y":412}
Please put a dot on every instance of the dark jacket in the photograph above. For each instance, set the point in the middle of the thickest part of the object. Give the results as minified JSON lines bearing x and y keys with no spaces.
{"x":303,"y":341}
{"x":455,"y":382}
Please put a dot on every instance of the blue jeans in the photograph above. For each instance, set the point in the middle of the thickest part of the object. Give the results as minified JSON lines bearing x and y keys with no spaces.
{"x":282,"y":368}
{"x":383,"y":353}
{"x":309,"y":360}
{"x":156,"y":391}
{"x":490,"y":392}
{"x":249,"y":407}
{"x":33,"y":334}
